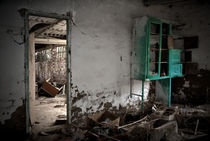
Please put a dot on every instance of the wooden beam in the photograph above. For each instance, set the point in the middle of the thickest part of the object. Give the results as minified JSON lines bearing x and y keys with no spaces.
{"x":50,"y":41}
{"x":43,"y":48}
{"x":38,"y":32}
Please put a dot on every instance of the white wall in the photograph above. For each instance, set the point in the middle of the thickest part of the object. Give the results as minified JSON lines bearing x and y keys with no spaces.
{"x":102,"y":36}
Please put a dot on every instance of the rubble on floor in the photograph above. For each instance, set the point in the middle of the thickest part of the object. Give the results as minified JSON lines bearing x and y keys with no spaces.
{"x":192,"y":88}
{"x":162,"y":124}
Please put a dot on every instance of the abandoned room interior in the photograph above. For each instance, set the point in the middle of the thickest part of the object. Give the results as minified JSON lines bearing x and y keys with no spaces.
{"x":105,"y":70}
{"x":48,"y":67}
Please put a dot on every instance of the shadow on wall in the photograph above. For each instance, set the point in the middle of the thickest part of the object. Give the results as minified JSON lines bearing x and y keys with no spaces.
{"x":15,"y":127}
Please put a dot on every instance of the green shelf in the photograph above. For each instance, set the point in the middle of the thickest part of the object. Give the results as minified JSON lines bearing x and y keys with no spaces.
{"x":149,"y":63}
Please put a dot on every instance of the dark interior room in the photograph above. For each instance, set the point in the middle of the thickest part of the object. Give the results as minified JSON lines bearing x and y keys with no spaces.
{"x":105,"y":70}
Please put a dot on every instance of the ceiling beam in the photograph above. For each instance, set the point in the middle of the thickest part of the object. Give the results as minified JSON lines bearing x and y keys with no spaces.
{"x":50,"y":41}
{"x":40,"y":31}
{"x":163,"y":2}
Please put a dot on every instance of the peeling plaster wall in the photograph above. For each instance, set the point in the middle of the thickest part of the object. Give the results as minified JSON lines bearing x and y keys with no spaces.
{"x":101,"y":42}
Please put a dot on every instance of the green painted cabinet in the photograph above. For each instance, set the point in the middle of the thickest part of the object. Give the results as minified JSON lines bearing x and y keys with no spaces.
{"x":139,"y":49}
{"x":153,"y":56}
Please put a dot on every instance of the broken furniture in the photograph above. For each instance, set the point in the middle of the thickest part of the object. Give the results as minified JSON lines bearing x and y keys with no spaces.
{"x":49,"y":88}
{"x":154,"y":56}
{"x":103,"y":123}
{"x":104,"y":118}
{"x":152,"y":127}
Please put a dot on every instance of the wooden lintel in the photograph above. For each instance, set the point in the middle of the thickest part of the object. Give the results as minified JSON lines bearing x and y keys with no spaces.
{"x":50,"y":41}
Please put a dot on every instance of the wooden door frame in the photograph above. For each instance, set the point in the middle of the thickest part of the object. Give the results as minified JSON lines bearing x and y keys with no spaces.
{"x":67,"y":17}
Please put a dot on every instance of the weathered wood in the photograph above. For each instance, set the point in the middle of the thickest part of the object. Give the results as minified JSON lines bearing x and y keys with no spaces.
{"x":50,"y":89}
{"x":170,"y":42}
{"x":133,"y":123}
{"x":31,"y":77}
{"x":42,"y":30}
{"x":196,"y":128}
{"x":50,"y":41}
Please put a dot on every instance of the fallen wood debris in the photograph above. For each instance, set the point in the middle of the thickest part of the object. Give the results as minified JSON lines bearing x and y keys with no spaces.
{"x":133,"y":123}
{"x":165,"y":124}
{"x":104,"y":118}
{"x":49,"y":88}
{"x":196,"y":128}
{"x":188,"y":134}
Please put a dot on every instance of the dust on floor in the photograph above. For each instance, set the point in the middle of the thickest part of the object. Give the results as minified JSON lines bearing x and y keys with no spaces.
{"x":47,"y":110}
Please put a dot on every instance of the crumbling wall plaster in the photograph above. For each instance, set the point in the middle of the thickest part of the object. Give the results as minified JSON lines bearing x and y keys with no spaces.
{"x":101,"y":41}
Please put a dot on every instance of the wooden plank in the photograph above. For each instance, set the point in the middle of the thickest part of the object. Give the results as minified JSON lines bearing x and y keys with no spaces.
{"x":42,"y":30}
{"x":133,"y":123}
{"x":50,"y":88}
{"x":32,"y":80}
{"x":170,"y":42}
{"x":50,"y":41}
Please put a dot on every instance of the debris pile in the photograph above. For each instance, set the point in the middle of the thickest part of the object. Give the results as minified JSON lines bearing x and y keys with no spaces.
{"x":193,"y":123}
{"x":161,"y":124}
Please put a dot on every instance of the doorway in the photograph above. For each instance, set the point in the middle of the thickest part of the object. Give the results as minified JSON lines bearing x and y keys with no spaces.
{"x":47,"y":69}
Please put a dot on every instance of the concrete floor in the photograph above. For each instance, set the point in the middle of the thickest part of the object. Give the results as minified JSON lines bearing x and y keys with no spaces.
{"x":47,"y":111}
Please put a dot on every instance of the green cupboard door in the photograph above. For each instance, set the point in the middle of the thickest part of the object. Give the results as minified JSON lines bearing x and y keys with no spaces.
{"x":175,"y":66}
{"x":154,"y":49}
{"x":139,"y":49}
{"x":176,"y":70}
